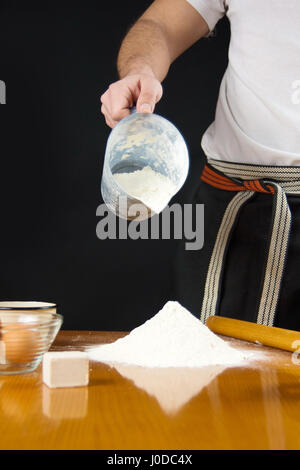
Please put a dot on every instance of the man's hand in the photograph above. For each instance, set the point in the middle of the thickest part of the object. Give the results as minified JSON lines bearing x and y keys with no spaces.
{"x":140,"y":89}
{"x":164,"y":31}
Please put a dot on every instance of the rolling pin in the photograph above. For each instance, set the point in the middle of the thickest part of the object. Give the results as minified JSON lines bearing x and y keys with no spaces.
{"x":267,"y":335}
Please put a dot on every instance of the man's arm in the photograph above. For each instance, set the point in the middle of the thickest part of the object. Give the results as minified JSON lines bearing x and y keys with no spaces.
{"x":162,"y":33}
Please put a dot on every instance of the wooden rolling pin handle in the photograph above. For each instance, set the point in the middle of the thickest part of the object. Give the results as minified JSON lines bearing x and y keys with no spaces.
{"x":288,"y":340}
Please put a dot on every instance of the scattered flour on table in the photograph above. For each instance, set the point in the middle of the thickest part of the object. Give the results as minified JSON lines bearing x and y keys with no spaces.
{"x":171,"y":338}
{"x":149,"y":186}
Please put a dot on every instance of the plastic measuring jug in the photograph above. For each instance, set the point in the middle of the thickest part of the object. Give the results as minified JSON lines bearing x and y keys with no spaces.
{"x":137,"y":141}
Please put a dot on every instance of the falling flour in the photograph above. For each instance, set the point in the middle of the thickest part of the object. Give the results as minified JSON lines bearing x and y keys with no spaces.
{"x":151,"y":187}
{"x":172,"y":338}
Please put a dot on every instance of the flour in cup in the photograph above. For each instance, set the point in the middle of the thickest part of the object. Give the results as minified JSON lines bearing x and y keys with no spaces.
{"x":151,"y":187}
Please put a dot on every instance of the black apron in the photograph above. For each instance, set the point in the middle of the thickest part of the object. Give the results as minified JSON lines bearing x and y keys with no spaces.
{"x":249,"y":267}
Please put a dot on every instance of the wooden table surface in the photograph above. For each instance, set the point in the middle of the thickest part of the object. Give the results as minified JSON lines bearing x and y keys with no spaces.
{"x":251,"y":407}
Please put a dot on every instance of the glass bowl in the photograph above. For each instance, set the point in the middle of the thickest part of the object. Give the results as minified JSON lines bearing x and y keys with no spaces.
{"x":24,"y":339}
{"x":33,"y":306}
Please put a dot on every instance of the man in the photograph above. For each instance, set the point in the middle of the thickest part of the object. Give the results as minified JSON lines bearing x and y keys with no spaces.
{"x":251,"y":181}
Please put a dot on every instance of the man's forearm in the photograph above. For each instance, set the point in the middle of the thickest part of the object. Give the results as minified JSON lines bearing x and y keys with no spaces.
{"x":163,"y":33}
{"x":145,"y":50}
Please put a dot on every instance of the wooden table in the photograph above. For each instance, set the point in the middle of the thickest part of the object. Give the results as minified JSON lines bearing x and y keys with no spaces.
{"x":253,"y":407}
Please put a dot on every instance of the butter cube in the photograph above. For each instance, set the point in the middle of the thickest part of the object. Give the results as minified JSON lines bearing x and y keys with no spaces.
{"x":65,"y":369}
{"x":2,"y":352}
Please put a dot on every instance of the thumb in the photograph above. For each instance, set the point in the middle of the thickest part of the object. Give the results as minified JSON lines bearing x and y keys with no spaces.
{"x":148,"y":97}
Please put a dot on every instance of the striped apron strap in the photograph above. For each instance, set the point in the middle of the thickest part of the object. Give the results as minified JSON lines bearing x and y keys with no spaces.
{"x":246,"y":180}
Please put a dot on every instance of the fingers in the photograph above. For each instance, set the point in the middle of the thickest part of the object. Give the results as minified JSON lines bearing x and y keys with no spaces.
{"x":114,"y":106}
{"x":150,"y":94}
{"x":120,"y":100}
{"x":108,"y":119}
{"x":144,"y":90}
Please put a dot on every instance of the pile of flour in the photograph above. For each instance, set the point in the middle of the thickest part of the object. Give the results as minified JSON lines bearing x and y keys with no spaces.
{"x":152,"y":188}
{"x":172,"y":338}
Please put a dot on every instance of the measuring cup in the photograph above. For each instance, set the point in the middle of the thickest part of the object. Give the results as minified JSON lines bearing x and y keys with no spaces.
{"x":137,"y":141}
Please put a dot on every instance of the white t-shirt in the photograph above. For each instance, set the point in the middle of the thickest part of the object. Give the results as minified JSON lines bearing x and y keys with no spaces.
{"x":257,"y":117}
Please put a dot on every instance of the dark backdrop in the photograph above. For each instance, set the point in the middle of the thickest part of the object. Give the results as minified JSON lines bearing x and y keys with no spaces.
{"x":56,"y":61}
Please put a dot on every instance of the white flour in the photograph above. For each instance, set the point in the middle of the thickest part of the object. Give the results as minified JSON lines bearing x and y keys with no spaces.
{"x":152,"y":188}
{"x":172,"y":338}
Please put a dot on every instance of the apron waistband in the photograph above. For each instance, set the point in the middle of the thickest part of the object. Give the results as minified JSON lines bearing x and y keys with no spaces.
{"x":246,"y":180}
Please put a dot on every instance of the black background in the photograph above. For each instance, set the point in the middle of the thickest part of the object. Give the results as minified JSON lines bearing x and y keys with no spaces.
{"x":56,"y":61}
